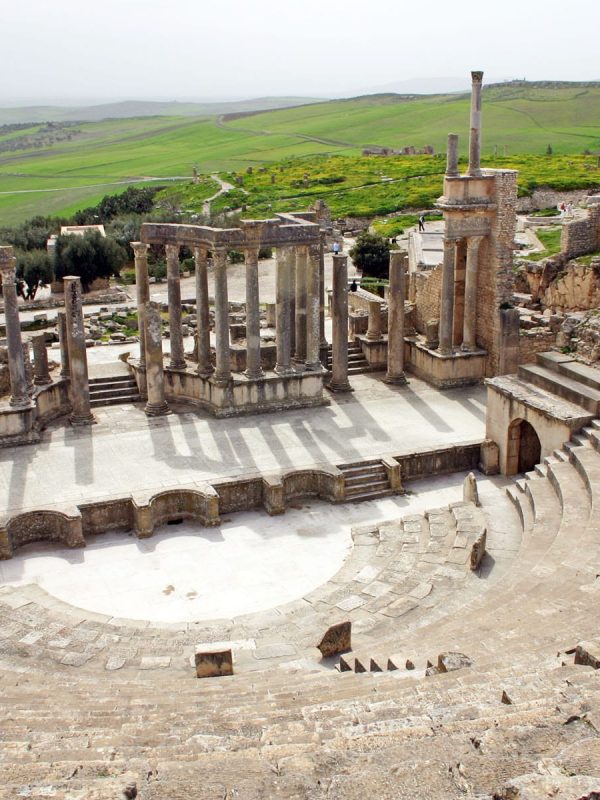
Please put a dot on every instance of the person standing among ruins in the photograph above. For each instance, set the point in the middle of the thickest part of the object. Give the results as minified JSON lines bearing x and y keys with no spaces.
{"x":336,"y":247}
{"x":421,"y":223}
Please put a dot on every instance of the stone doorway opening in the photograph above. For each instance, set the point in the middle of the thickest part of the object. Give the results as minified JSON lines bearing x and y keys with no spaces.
{"x":524,"y":449}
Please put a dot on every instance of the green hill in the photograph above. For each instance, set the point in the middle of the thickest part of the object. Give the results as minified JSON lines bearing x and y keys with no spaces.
{"x":50,"y":169}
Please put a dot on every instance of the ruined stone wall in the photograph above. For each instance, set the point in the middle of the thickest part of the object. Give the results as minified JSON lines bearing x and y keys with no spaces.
{"x":427,"y":292}
{"x":582,"y":236}
{"x":549,"y":198}
{"x":532,"y":342}
{"x":576,"y":288}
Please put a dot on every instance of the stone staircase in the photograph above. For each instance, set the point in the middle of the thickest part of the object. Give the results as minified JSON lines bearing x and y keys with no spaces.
{"x":114,"y":390}
{"x":563,"y":376}
{"x":365,"y":480}
{"x":357,"y":363}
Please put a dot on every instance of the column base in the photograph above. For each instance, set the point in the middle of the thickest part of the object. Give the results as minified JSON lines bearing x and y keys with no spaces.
{"x":468,"y":348}
{"x":20,"y":402}
{"x":254,"y":376}
{"x":445,"y":351}
{"x":79,"y":420}
{"x":339,"y":387}
{"x":205,"y":372}
{"x":284,"y":370}
{"x":221,"y":380}
{"x":156,"y":409}
{"x":177,"y":365}
{"x":396,"y":380}
{"x":42,"y":381}
{"x":316,"y":366}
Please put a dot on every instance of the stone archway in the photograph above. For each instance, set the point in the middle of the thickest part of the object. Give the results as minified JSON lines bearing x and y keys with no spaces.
{"x":523,"y":447}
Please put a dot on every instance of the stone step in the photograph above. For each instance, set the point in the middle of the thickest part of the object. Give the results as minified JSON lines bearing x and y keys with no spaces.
{"x":112,"y":379}
{"x":561,"y":385}
{"x":97,"y":393}
{"x":134,"y":397}
{"x":369,"y":486}
{"x":356,"y":478}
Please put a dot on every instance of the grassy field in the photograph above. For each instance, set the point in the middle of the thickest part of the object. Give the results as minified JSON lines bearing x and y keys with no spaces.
{"x":68,"y":175}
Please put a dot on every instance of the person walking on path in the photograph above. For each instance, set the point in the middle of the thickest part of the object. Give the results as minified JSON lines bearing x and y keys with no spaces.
{"x":421,"y":223}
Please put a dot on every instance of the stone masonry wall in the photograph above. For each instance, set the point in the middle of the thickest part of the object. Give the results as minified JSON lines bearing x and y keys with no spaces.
{"x":532,"y":342}
{"x":549,"y":198}
{"x":582,"y":236}
{"x":428,"y":289}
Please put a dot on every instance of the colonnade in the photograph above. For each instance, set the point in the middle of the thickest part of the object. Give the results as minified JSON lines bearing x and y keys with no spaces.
{"x":468,"y":341}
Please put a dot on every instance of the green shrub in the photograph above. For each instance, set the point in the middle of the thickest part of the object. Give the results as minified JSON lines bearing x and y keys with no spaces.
{"x":371,"y":254}
{"x":91,"y":256}
{"x":34,"y":269}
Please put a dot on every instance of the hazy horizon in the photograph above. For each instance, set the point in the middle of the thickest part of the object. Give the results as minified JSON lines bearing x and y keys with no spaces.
{"x":148,"y":49}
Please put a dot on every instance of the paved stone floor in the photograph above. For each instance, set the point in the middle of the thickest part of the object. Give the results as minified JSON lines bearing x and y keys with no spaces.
{"x":128,"y":452}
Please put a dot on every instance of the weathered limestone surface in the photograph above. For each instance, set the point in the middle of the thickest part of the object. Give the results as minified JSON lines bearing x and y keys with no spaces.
{"x":395,"y":357}
{"x":336,"y":640}
{"x":155,"y":381}
{"x":174,"y":290}
{"x":16,"y":365}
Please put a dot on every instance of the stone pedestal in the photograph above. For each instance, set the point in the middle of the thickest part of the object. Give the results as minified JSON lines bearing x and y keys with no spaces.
{"x":40,"y":361}
{"x":205,"y":366}
{"x":78,"y":368}
{"x":374,"y":329}
{"x":155,"y":380}
{"x":61,"y":319}
{"x":395,"y":356}
{"x":339,"y":371}
{"x":223,"y":371}
{"x":174,"y":291}
{"x":16,"y":366}
{"x":284,"y":321}
{"x":253,"y":365}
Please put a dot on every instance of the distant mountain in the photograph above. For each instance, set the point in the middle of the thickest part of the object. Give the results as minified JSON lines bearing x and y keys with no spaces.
{"x":421,"y":86}
{"x":144,"y":108}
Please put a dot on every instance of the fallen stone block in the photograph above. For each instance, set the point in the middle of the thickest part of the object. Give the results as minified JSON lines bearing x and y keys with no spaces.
{"x":450,"y":662}
{"x":470,"y":491}
{"x":478,"y":550}
{"x":213,"y":663}
{"x":337,"y":639}
{"x":588,"y":654}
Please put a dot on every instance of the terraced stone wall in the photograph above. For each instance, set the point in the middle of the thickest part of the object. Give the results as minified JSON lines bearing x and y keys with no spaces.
{"x":581,"y":236}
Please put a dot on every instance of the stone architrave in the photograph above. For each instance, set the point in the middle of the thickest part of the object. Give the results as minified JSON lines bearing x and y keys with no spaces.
{"x":16,"y":366}
{"x":300,"y":315}
{"x":61,"y":320}
{"x":283,"y":315}
{"x":337,"y":639}
{"x":205,"y":366}
{"x":156,"y":404}
{"x":80,"y":388}
{"x":222,"y":373}
{"x":174,"y":293}
{"x":469,"y":342}
{"x":213,"y":663}
{"x":395,"y":361}
{"x":447,"y":299}
{"x":374,"y":329}
{"x":142,"y":288}
{"x":40,"y":361}
{"x":313,"y":339}
{"x":475,"y":137}
{"x":253,"y":364}
{"x":339,"y":354}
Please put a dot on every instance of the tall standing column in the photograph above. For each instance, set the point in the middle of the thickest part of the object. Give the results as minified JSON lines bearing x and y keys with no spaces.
{"x":374,"y":325}
{"x":339,"y":356}
{"x":253,"y":365}
{"x":78,"y":368}
{"x":283,"y":315}
{"x":16,"y":367}
{"x":447,"y":299}
{"x":395,"y":361}
{"x":223,"y":371}
{"x":475,"y":137}
{"x":61,"y":319}
{"x":205,"y":366}
{"x":300,"y":294}
{"x":469,"y":342}
{"x":313,"y":328}
{"x":292,"y":294}
{"x":156,"y":405}
{"x":452,"y":156}
{"x":322,"y":337}
{"x":174,"y":295}
{"x":40,"y":360}
{"x":142,"y":288}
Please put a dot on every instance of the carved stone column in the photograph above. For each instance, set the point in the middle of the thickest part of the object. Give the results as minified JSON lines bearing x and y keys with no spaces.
{"x":374,"y":329}
{"x":253,"y":365}
{"x":40,"y":360}
{"x":142,"y":288}
{"x":16,"y":367}
{"x":447,"y":299}
{"x":80,"y":387}
{"x":223,"y":371}
{"x":174,"y":294}
{"x":322,"y":338}
{"x":339,"y":356}
{"x":300,"y":317}
{"x":283,"y":316}
{"x":313,"y":338}
{"x":61,"y":320}
{"x":156,"y":405}
{"x":469,"y":342}
{"x":205,"y":366}
{"x":395,"y":362}
{"x":475,"y":137}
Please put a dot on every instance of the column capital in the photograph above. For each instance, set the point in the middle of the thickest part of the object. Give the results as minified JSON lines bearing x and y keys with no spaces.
{"x":140,"y":249}
{"x":474,"y":241}
{"x":200,"y":253}
{"x":477,"y":76}
{"x":219,"y":256}
{"x":172,"y":250}
{"x":251,"y":253}
{"x":8,"y":262}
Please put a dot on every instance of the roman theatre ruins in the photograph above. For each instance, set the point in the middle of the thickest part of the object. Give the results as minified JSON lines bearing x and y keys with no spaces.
{"x":333,"y":545}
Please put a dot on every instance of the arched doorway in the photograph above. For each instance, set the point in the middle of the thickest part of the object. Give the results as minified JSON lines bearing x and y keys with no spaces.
{"x":523,"y":447}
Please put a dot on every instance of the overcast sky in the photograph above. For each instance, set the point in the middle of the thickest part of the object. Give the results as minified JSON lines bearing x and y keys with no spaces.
{"x":183,"y":49}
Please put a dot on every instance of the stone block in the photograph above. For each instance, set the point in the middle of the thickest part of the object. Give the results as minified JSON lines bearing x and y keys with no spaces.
{"x":450,"y":662}
{"x":337,"y":639}
{"x":213,"y":663}
{"x":588,"y":654}
{"x":489,"y":458}
{"x":470,"y":491}
{"x":478,"y":550}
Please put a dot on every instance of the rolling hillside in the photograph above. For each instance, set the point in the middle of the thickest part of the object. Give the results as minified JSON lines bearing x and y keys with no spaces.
{"x":48,"y":169}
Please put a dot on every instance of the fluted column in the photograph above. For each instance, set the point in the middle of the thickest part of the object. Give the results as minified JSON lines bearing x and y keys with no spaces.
{"x":322,"y":338}
{"x":447,"y":298}
{"x":61,"y":321}
{"x":223,"y":370}
{"x":16,"y":367}
{"x":469,"y":342}
{"x":205,"y":366}
{"x":300,"y":317}
{"x":253,"y":365}
{"x":174,"y":295}
{"x":395,"y":360}
{"x":142,"y":288}
{"x":313,"y":328}
{"x":40,"y":360}
{"x":339,"y":356}
{"x":283,"y":316}
{"x":156,"y":404}
{"x":81,"y":413}
{"x":475,"y":137}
